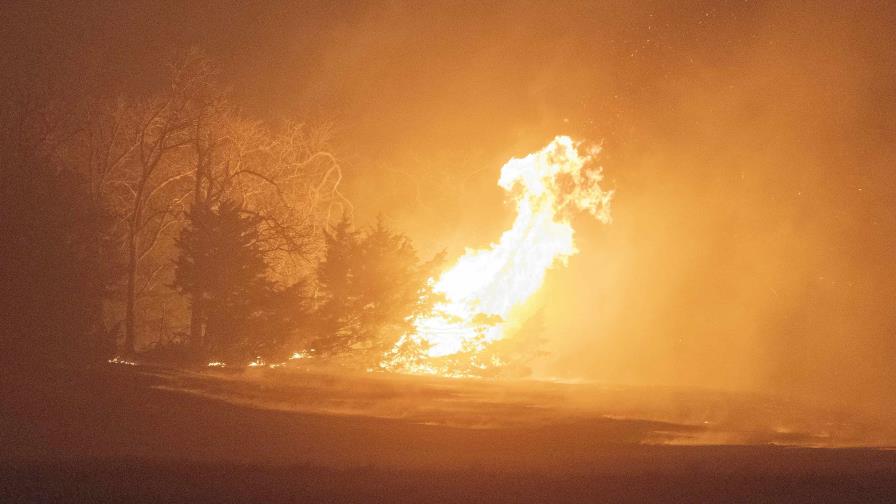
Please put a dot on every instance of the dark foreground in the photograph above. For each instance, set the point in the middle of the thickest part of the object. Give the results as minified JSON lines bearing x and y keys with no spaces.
{"x":659,"y":480}
{"x":112,"y":435}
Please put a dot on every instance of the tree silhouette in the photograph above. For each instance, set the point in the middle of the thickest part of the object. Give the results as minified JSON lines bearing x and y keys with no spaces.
{"x":393,"y":286}
{"x":221,"y":261}
{"x":59,"y":258}
{"x":371,"y":286}
{"x":337,"y":301}
{"x":58,"y":266}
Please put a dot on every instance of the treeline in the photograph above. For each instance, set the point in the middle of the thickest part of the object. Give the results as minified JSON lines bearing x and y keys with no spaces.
{"x":169,"y":222}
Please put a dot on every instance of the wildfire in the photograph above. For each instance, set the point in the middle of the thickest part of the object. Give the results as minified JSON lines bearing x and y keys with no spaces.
{"x":484,"y":286}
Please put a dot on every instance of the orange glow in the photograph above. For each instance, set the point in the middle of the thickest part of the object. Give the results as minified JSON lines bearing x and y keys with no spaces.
{"x":485,"y":286}
{"x":304,"y":354}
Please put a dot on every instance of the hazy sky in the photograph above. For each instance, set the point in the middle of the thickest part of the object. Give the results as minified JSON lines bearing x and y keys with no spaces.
{"x":751,"y":146}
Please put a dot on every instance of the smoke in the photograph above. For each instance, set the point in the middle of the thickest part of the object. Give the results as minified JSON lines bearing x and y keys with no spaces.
{"x":750,"y":143}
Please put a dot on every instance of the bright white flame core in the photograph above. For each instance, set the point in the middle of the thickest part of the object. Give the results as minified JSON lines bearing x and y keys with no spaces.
{"x":547,"y":186}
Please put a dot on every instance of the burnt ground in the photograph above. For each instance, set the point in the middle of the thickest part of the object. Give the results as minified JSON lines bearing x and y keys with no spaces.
{"x":139,"y":434}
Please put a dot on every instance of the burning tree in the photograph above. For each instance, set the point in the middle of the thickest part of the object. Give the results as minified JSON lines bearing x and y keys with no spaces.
{"x":485,"y":289}
{"x":198,"y":192}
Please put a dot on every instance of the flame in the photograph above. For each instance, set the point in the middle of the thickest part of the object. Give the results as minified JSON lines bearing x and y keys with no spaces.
{"x":304,"y":354}
{"x":484,"y":286}
{"x":122,"y":361}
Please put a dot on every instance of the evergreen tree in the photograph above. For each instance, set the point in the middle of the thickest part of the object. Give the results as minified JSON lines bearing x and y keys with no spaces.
{"x":287,"y":320}
{"x":221,"y":261}
{"x":371,"y":285}
{"x":336,"y":298}
{"x":392,"y":286}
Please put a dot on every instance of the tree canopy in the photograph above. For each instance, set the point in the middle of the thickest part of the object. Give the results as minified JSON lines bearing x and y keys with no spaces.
{"x":371,"y":285}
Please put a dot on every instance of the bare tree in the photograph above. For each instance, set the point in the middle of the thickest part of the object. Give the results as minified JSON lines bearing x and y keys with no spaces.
{"x":151,"y":159}
{"x":144,"y":170}
{"x":288,"y":181}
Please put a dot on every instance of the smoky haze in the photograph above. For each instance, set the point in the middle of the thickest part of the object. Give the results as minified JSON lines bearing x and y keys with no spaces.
{"x":750,"y":146}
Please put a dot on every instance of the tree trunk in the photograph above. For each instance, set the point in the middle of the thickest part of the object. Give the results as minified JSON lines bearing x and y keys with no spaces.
{"x":197,"y":333}
{"x":129,"y":314}
{"x":197,"y":336}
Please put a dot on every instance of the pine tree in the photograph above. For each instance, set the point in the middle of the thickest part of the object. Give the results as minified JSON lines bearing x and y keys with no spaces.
{"x":336,"y":298}
{"x":392,"y":285}
{"x":221,"y":261}
{"x":371,"y":285}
